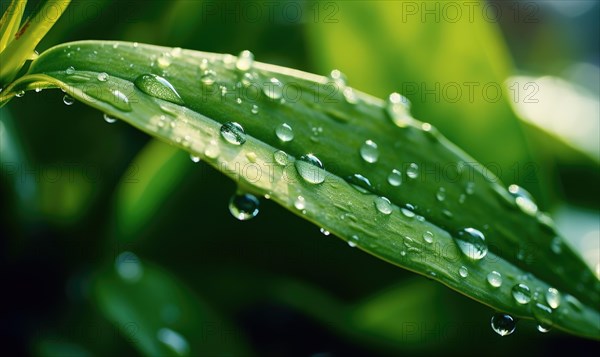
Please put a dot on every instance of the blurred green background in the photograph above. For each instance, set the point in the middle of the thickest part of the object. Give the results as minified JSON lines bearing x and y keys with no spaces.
{"x":117,"y":244}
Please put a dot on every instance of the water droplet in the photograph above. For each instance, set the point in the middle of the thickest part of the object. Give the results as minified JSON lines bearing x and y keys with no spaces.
{"x":463,"y":271}
{"x":397,"y":108}
{"x":204,"y":64}
{"x":229,"y":61}
{"x":281,"y":157}
{"x":383,"y":205}
{"x":494,"y":279}
{"x":20,"y":94}
{"x":248,"y":79}
{"x":102,"y":77}
{"x":243,"y":206}
{"x":523,"y":199}
{"x":254,"y":109}
{"x":556,"y":245}
{"x":238,"y":101}
{"x":360,"y":183}
{"x":70,"y":70}
{"x":300,"y":203}
{"x":284,"y":132}
{"x":233,"y":133}
{"x":176,"y":52}
{"x":174,"y":341}
{"x":38,"y":89}
{"x":68,"y":100}
{"x":129,"y":267}
{"x":503,"y":324}
{"x":428,"y":237}
{"x":543,"y":328}
{"x":369,"y":151}
{"x":157,"y":87}
{"x":310,"y":169}
{"x":164,"y":60}
{"x":521,"y":294}
{"x":470,"y":188}
{"x":553,"y":298}
{"x":244,"y":61}
{"x":472,"y":243}
{"x":212,"y":150}
{"x":195,"y":158}
{"x":412,"y":171}
{"x":108,"y":118}
{"x":338,"y":78}
{"x":350,"y":95}
{"x":208,"y":77}
{"x":352,"y":241}
{"x":407,"y":212}
{"x":273,"y":89}
{"x":440,"y":195}
{"x":395,"y":178}
{"x":543,"y":314}
{"x":324,"y":231}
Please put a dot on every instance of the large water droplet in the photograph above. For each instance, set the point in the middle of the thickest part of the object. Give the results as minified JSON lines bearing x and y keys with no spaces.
{"x":472,"y":243}
{"x":310,"y":169}
{"x":412,"y":171}
{"x":383,"y":205}
{"x":553,"y":298}
{"x":244,"y":61}
{"x":284,"y":132}
{"x":521,"y":294}
{"x":523,"y":199}
{"x":68,"y":100}
{"x":503,"y":324}
{"x":273,"y":89}
{"x":463,"y":271}
{"x":128,"y":267}
{"x":369,"y":151}
{"x":243,"y":206}
{"x":102,"y":77}
{"x":108,"y":118}
{"x":395,"y":178}
{"x":233,"y":133}
{"x":174,"y":341}
{"x":157,"y":87}
{"x":494,"y":279}
{"x":360,"y":183}
{"x":398,"y":108}
{"x":428,"y":237}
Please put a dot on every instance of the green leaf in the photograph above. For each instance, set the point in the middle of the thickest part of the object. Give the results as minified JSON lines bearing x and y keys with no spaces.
{"x":11,"y":19}
{"x":443,"y":190}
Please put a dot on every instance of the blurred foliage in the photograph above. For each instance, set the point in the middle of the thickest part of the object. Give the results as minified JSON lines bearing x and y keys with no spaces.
{"x":288,"y":289}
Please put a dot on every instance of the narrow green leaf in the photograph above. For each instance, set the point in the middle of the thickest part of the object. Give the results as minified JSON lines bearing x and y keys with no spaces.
{"x":444,"y":193}
{"x":9,"y":24}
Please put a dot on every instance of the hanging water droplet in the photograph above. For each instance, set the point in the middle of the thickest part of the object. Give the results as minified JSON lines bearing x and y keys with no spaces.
{"x":463,"y":271}
{"x":158,"y":87}
{"x":254,"y":109}
{"x":281,"y":157}
{"x":521,"y":294}
{"x":174,"y":341}
{"x":38,"y":89}
{"x":369,"y":151}
{"x":553,"y":298}
{"x":68,"y":100}
{"x":273,"y":89}
{"x":102,"y":77}
{"x":284,"y":132}
{"x":523,"y":199}
{"x":397,"y":108}
{"x":412,"y":171}
{"x":208,"y":77}
{"x":194,"y":158}
{"x":300,"y":203}
{"x":310,"y":169}
{"x":543,"y":328}
{"x":556,"y":245}
{"x":428,"y":237}
{"x":244,"y":61}
{"x":383,"y":205}
{"x":395,"y":178}
{"x":243,"y":206}
{"x":472,"y":243}
{"x":108,"y":118}
{"x":503,"y":324}
{"x":360,"y":183}
{"x":352,"y":242}
{"x":494,"y":279}
{"x":440,"y":195}
{"x":324,"y":231}
{"x":20,"y":94}
{"x":233,"y":133}
{"x":70,"y":70}
{"x":129,"y":267}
